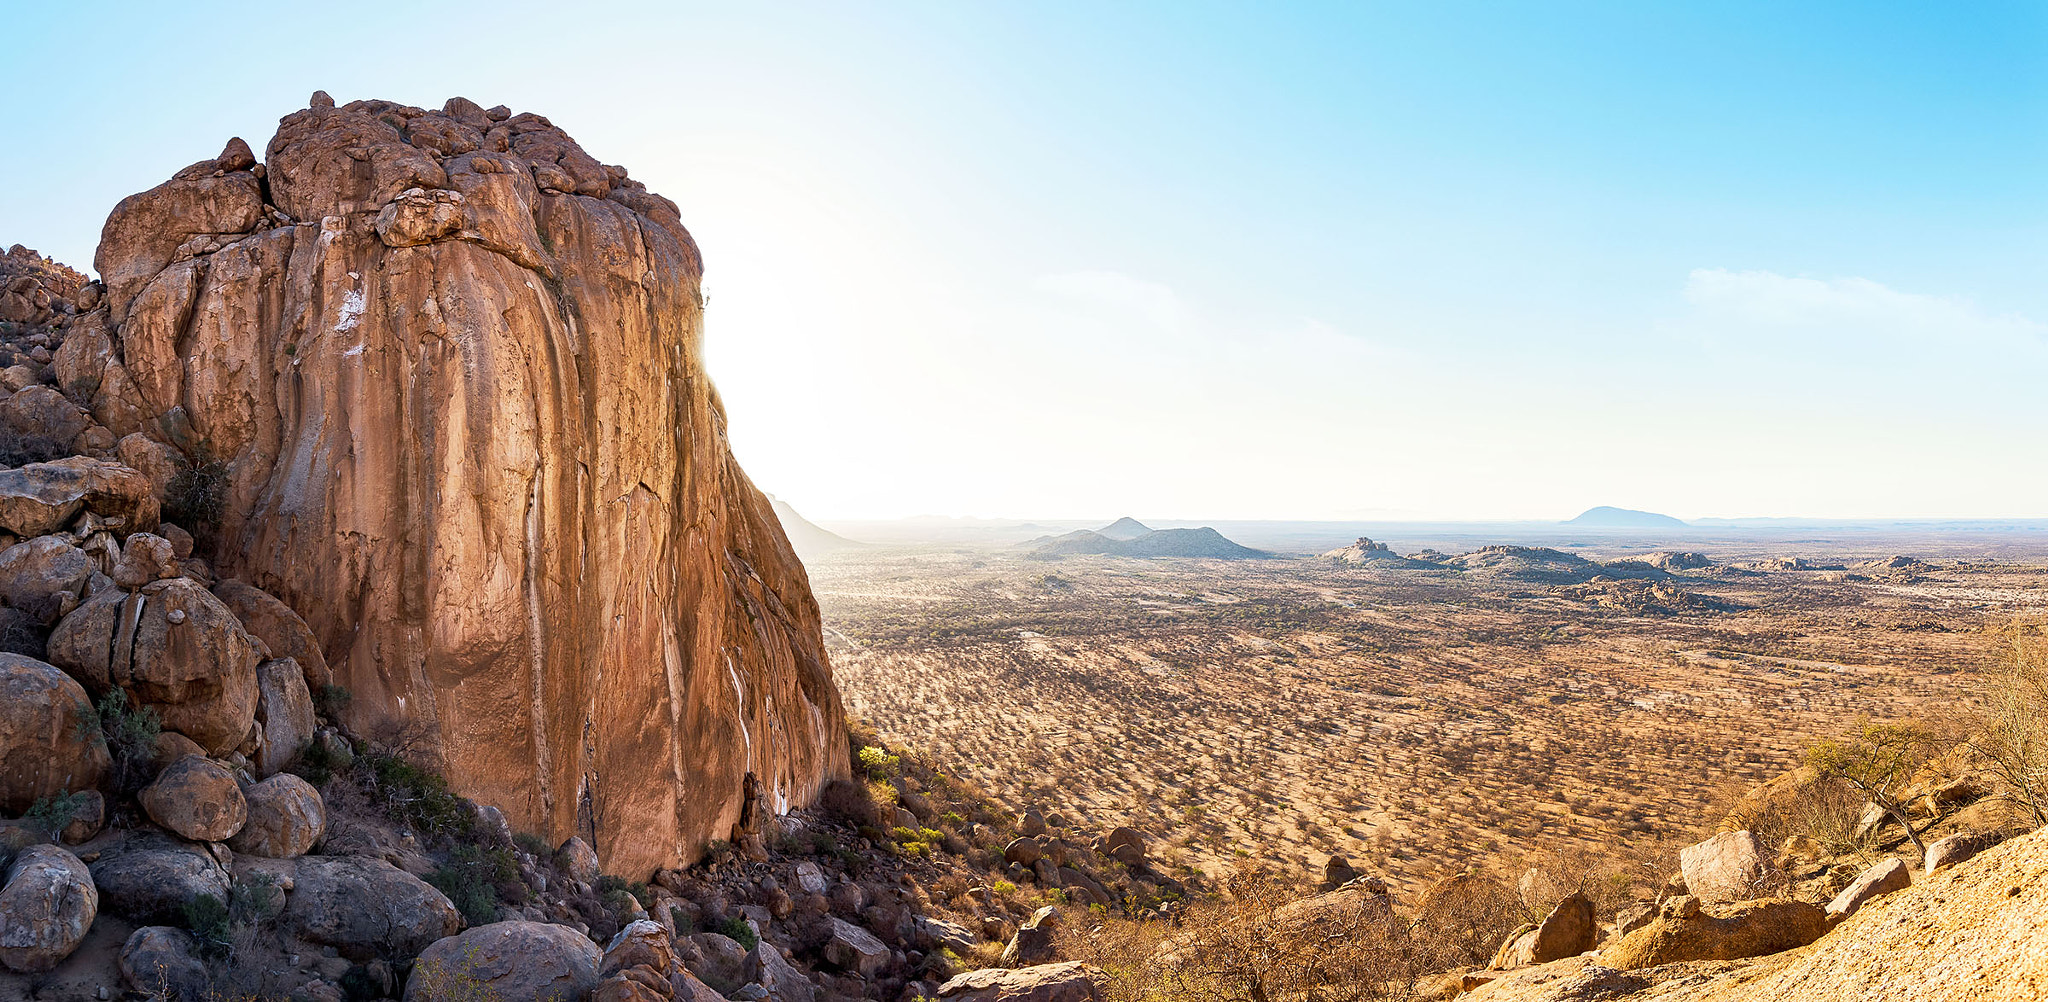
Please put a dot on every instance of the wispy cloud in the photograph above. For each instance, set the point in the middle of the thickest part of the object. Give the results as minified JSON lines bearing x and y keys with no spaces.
{"x":1846,"y":312}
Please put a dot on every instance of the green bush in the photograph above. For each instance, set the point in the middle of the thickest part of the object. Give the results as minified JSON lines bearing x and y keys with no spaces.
{"x":420,"y":798}
{"x":736,"y":929}
{"x":331,"y":701}
{"x":475,"y":880}
{"x":316,"y":764}
{"x":252,"y":900}
{"x":638,"y":890}
{"x":131,"y":736}
{"x":878,"y":763}
{"x":20,"y":449}
{"x":49,"y":815}
{"x":206,"y":918}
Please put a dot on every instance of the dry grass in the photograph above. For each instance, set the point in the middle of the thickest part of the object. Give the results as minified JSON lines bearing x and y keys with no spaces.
{"x":1282,"y":711}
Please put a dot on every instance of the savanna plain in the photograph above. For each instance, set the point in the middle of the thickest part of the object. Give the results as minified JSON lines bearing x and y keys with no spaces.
{"x":1578,"y":716}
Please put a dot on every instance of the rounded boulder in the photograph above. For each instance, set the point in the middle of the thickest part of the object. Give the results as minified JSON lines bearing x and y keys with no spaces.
{"x":151,"y":877}
{"x":173,"y":647}
{"x":46,"y":907}
{"x":49,"y":734}
{"x":197,"y":798}
{"x":513,"y":960}
{"x":286,"y":817}
{"x":162,"y":959}
{"x":43,"y":577}
{"x":1023,"y":852}
{"x":366,"y":908}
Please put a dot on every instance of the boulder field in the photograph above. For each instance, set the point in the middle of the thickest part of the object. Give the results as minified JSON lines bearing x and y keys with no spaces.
{"x":436,"y":379}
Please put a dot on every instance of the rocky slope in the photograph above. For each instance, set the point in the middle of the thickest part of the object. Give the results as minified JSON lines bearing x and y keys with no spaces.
{"x":439,"y":376}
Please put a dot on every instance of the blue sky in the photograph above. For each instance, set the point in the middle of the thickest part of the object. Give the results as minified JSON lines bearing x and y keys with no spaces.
{"x":1205,"y":260}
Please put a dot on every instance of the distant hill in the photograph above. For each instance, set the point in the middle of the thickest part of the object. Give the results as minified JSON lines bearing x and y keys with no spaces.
{"x":1542,"y":565}
{"x":1125,"y":528}
{"x":1203,"y":542}
{"x":1605,"y":517}
{"x":1361,"y":551}
{"x":805,"y":538}
{"x":1669,"y":560}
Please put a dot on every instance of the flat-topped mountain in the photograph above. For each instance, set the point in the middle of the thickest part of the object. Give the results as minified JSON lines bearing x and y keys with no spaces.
{"x":1203,"y":542}
{"x":1605,"y":517}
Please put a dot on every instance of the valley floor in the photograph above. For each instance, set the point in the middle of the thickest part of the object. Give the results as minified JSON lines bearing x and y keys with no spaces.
{"x":1416,"y":720}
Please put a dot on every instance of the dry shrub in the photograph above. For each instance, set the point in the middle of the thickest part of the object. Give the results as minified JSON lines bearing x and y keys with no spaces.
{"x":850,"y":802}
{"x":2012,"y":742}
{"x":1462,"y":919}
{"x":435,"y":981}
{"x":1802,"y":804}
{"x":1879,"y":761}
{"x":1609,"y":877}
{"x":1261,"y":943}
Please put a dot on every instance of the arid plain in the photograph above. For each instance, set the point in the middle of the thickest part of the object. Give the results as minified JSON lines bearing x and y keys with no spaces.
{"x":1416,"y":719}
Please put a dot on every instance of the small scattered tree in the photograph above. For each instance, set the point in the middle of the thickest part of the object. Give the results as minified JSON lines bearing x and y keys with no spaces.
{"x":2012,"y":736}
{"x":1878,"y":760}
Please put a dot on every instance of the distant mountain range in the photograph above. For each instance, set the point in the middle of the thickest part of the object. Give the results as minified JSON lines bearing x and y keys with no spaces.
{"x":1605,"y":517}
{"x":1128,"y":537}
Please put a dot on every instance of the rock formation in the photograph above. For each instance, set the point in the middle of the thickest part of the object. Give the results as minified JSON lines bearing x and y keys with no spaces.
{"x":435,"y":378}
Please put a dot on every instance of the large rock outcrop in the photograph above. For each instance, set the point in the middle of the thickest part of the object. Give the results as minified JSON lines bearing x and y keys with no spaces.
{"x":438,"y":377}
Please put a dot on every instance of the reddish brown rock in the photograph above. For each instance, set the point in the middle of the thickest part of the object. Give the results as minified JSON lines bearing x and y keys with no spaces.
{"x":1958,"y":847}
{"x":1684,"y":931}
{"x":41,"y":498}
{"x":144,"y":232}
{"x":487,"y":467}
{"x":366,"y":908}
{"x":171,"y":646}
{"x":197,"y":798}
{"x":285,"y":709}
{"x":286,"y":818}
{"x":1727,"y":867}
{"x":43,"y":577}
{"x":1569,"y":930}
{"x":1883,"y":877}
{"x":49,"y":735}
{"x":280,"y":629}
{"x":145,"y":557}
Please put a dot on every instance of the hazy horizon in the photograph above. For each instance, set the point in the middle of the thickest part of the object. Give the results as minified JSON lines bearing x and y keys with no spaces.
{"x":1317,"y":263}
{"x":1698,"y":521}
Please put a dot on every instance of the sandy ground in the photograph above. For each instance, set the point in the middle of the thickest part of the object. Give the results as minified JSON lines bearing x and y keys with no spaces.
{"x":1285,"y":710}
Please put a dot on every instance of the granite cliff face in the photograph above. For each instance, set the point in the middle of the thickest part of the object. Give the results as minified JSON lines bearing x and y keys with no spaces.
{"x":439,"y":374}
